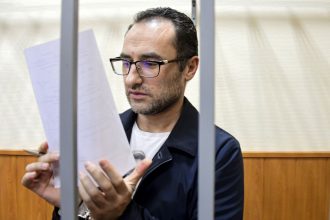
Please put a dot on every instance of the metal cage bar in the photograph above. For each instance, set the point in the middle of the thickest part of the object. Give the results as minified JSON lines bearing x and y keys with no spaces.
{"x":206,"y":143}
{"x":68,"y":109}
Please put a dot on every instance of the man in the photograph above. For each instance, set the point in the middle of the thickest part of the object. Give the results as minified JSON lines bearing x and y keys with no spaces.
{"x":159,"y":57}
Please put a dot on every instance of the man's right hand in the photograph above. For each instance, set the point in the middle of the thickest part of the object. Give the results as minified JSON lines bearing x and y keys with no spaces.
{"x":38,"y":176}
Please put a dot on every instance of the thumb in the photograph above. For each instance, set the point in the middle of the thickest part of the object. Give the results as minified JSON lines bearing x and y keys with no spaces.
{"x":43,"y":147}
{"x":133,"y":178}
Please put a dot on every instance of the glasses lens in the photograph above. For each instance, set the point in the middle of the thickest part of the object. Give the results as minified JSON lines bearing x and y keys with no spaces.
{"x":120,"y":67}
{"x":148,"y":68}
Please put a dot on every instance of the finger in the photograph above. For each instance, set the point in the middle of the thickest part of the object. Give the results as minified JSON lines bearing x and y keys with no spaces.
{"x":85,"y":197}
{"x":37,"y":166}
{"x":43,"y":148}
{"x":115,"y":177}
{"x":28,"y":179}
{"x":102,"y":180}
{"x":94,"y":195}
{"x":133,"y":178}
{"x":49,"y":158}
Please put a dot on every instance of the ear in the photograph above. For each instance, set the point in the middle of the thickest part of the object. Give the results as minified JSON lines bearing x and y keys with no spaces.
{"x":191,"y":68}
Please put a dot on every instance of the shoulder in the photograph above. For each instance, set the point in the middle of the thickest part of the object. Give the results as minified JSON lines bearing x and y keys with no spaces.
{"x":228,"y":148}
{"x":223,"y":138}
{"x":229,"y":173}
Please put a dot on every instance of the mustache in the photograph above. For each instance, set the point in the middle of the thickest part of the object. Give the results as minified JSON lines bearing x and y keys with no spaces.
{"x":139,"y":88}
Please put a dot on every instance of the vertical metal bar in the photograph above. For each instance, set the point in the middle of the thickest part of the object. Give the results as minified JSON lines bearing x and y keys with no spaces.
{"x":68,"y":109}
{"x":193,"y":11}
{"x":206,"y":143}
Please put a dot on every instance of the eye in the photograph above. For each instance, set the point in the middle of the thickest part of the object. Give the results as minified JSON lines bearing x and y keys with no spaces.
{"x":148,"y":64}
{"x":126,"y":64}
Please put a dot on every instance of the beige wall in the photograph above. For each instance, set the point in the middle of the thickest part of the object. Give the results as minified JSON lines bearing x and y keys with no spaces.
{"x":272,"y":73}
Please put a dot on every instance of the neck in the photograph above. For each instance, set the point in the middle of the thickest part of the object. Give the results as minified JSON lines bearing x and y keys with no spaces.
{"x":163,"y":121}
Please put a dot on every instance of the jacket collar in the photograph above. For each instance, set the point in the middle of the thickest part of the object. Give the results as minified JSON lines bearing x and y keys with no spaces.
{"x":183,"y":137}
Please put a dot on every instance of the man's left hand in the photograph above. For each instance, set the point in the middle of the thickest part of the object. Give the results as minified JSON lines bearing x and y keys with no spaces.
{"x":110,"y":198}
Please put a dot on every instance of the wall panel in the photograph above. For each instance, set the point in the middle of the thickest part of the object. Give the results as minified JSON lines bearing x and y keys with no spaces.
{"x":328,"y":189}
{"x":8,"y":201}
{"x":253,"y":177}
{"x":311,"y":185}
{"x":278,"y":189}
{"x":281,"y":186}
{"x":293,"y":186}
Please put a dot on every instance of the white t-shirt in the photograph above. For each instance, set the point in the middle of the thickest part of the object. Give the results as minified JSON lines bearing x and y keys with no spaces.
{"x":146,"y":144}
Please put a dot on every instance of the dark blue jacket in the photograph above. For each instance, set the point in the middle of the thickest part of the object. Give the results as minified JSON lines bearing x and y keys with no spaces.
{"x":169,"y":188}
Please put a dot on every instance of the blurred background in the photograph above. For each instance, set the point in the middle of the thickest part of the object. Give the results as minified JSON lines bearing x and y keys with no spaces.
{"x":272,"y":67}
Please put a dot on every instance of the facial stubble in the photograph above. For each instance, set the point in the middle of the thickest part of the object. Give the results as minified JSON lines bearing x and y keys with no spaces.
{"x":170,"y":93}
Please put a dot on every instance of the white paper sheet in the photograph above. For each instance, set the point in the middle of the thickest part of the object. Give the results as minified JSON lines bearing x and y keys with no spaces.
{"x":100,"y":132}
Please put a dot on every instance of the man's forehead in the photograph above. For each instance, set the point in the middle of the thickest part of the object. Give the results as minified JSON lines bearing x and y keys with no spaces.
{"x":152,"y":28}
{"x":154,"y":23}
{"x":151,"y":36}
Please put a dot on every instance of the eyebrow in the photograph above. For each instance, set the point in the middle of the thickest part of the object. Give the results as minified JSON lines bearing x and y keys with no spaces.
{"x":123,"y":55}
{"x":145,"y":56}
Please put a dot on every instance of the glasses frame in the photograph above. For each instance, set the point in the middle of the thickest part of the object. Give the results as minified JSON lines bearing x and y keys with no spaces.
{"x":159,"y":62}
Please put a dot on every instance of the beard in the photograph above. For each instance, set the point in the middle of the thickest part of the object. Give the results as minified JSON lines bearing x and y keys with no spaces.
{"x":169,"y":93}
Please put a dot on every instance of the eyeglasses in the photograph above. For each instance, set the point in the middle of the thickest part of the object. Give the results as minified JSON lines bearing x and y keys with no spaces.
{"x":145,"y":68}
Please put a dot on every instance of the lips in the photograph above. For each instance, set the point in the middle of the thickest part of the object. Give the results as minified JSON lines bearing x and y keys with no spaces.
{"x":136,"y":94}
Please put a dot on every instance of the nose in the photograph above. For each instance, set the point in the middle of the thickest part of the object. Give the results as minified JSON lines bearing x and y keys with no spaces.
{"x":133,"y":77}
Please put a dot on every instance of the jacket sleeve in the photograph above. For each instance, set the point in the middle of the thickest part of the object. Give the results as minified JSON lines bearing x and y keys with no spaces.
{"x":229,"y":181}
{"x":55,"y":215}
